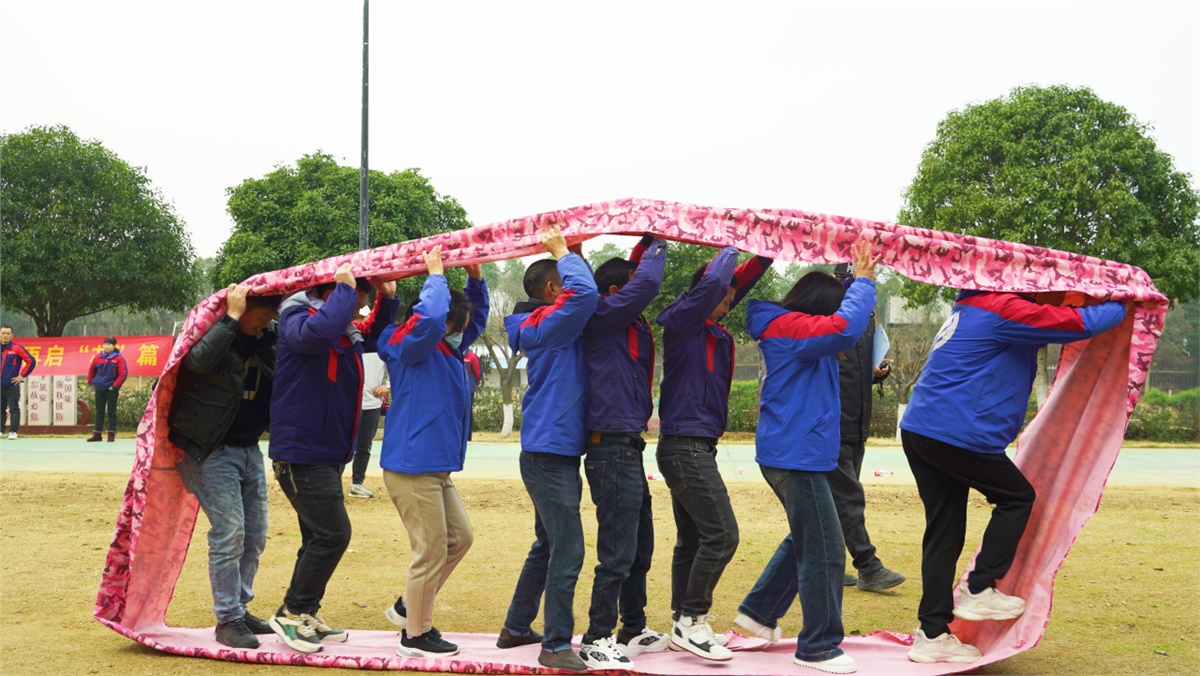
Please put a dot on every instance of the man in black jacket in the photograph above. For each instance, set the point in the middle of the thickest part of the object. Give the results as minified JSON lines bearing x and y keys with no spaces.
{"x":219,"y":411}
{"x":856,"y":373}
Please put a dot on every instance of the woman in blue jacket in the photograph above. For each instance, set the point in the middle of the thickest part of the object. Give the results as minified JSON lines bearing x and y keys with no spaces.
{"x":797,"y":445}
{"x":425,"y":439}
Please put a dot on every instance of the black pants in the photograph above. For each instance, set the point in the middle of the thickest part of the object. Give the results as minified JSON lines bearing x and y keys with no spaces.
{"x":944,"y":474}
{"x":106,"y":406}
{"x":706,"y":531}
{"x":10,"y":404}
{"x":367,"y":427}
{"x":315,"y":492}
{"x":851,"y":504}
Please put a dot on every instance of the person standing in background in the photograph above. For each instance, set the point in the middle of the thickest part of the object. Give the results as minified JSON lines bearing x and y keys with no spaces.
{"x":106,"y":375}
{"x":14,"y":373}
{"x":375,"y":388}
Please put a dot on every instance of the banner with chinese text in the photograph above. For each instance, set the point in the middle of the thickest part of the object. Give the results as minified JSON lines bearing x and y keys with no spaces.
{"x":71,"y":355}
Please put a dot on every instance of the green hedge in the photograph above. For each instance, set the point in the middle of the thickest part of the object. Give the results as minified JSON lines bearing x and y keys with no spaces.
{"x":1166,"y":417}
{"x":487,"y":413}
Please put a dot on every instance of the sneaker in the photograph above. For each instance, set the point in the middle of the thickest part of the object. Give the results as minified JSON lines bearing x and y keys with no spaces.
{"x":429,"y":644}
{"x":880,"y":580}
{"x":360,"y":491}
{"x":12,"y":435}
{"x":842,"y":664}
{"x":945,"y":648}
{"x":692,"y":633}
{"x":397,"y":614}
{"x":235,"y":634}
{"x":988,"y":604}
{"x":603,"y":654}
{"x":563,"y":660}
{"x":758,"y":630}
{"x":295,"y":631}
{"x":255,"y":625}
{"x":509,"y":640}
{"x":849,"y":580}
{"x":647,"y":641}
{"x":326,"y":632}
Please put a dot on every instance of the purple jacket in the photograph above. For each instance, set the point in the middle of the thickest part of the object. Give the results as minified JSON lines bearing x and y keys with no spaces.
{"x":618,"y":346}
{"x":698,"y":353}
{"x":317,"y":393}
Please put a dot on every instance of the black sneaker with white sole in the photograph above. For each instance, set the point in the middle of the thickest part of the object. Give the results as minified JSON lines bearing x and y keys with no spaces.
{"x":429,"y":644}
{"x":256,"y":625}
{"x":235,"y":634}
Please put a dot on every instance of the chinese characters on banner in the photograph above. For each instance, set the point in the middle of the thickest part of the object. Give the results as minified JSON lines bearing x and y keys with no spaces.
{"x":39,"y":400}
{"x":71,"y":356}
{"x":65,"y":411}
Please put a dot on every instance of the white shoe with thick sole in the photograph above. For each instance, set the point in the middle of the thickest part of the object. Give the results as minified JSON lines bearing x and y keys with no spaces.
{"x":604,"y":654}
{"x":842,"y":664}
{"x":944,"y":648}
{"x":758,"y":630}
{"x":649,"y":641}
{"x":692,"y":633}
{"x":988,"y":604}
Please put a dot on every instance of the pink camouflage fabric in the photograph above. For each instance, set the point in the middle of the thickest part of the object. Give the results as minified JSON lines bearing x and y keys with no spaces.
{"x":1067,"y":452}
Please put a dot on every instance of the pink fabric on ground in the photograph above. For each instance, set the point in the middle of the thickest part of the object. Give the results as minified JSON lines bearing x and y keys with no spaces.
{"x":1067,"y":452}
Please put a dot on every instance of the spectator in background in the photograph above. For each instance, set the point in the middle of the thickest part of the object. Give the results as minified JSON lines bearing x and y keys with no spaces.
{"x":17,"y":365}
{"x":375,"y":388}
{"x":106,"y":375}
{"x":474,"y":376}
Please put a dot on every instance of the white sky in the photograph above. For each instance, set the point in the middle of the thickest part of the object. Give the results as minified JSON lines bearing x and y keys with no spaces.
{"x":516,"y":108}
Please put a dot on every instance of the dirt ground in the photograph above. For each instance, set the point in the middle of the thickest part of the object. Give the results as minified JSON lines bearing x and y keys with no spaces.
{"x":1125,"y":600}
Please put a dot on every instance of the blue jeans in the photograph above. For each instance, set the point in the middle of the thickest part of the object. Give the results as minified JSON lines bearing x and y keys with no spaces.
{"x":556,"y":556}
{"x":811,"y":560}
{"x":624,"y":535}
{"x":231,"y":486}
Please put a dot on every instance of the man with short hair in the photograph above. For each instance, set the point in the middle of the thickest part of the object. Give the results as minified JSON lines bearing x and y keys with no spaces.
{"x":17,"y":365}
{"x":219,"y":411}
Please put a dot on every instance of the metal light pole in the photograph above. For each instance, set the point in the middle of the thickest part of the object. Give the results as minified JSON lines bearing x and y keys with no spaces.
{"x":363,"y":239}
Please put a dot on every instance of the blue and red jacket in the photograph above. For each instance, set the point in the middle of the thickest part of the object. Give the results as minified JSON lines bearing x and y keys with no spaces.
{"x":427,"y":424}
{"x":554,"y":408}
{"x":17,"y":361}
{"x":107,"y":370}
{"x":316,"y":398}
{"x":974,"y":389}
{"x":618,"y":346}
{"x":800,"y":408}
{"x":698,"y":353}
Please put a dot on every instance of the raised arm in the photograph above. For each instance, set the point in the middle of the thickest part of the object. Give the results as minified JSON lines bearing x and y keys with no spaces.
{"x":618,"y":311}
{"x":476,"y":291}
{"x":1027,"y":322}
{"x":693,"y":307}
{"x":747,"y":275}
{"x":562,"y":322}
{"x":817,"y":336}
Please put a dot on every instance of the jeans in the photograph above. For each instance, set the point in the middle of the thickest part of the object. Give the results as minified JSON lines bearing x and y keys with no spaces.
{"x":10,"y":405}
{"x":624,"y":534}
{"x":556,"y":556}
{"x":106,"y":401}
{"x":231,"y":486}
{"x":810,"y":560}
{"x":367,"y":427}
{"x":944,"y":475}
{"x":706,"y":530}
{"x":850,"y":501}
{"x":315,"y":492}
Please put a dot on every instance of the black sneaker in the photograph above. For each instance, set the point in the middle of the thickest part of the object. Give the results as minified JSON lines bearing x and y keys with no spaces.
{"x":508,"y":640}
{"x":563,"y":660}
{"x":257,"y":626}
{"x":235,"y":634}
{"x":429,"y":644}
{"x":397,"y":614}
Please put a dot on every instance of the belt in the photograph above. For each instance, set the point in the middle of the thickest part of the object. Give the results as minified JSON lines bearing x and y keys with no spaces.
{"x":675,"y":437}
{"x":630,"y":440}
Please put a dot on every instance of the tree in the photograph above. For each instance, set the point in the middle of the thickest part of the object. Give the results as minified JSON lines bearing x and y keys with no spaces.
{"x":84,"y":232}
{"x":506,"y":290}
{"x":304,"y":213}
{"x":1059,"y":167}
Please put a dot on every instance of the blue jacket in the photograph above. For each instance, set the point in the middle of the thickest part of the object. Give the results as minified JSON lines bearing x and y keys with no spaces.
{"x":619,"y":348}
{"x":316,"y":398}
{"x":554,"y":408}
{"x":800,"y":409}
{"x":107,"y":370}
{"x":17,"y":361}
{"x":974,"y":389}
{"x":426,"y":427}
{"x":698,"y":353}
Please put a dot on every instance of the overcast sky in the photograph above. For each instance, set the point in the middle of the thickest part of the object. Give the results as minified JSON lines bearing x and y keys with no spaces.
{"x":516,"y":108}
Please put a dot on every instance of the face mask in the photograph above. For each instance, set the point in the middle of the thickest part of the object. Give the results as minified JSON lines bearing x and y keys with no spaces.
{"x":454,"y":340}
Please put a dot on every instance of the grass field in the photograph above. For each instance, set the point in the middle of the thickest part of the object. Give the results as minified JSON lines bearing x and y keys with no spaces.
{"x":1126,"y":600}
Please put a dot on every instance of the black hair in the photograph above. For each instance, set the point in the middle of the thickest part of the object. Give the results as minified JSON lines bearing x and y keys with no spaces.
{"x":6,"y":326}
{"x":360,"y":284}
{"x":269,"y":302}
{"x":536,"y":276}
{"x":699,"y":274}
{"x":817,"y":293}
{"x":109,"y":339}
{"x":614,"y":272}
{"x":458,"y":316}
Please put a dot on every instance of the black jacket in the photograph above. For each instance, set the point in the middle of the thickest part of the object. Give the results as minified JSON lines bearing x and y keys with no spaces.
{"x":210,"y":387}
{"x":856,"y":374}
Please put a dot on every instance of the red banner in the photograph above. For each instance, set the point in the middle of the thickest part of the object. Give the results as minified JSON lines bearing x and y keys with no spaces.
{"x":71,"y":355}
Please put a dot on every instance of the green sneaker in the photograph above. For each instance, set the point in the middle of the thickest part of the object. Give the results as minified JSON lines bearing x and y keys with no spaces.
{"x":295,"y":630}
{"x":326,"y":632}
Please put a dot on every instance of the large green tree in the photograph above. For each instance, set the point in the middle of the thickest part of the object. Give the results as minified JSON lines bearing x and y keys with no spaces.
{"x":84,"y":232}
{"x":297,"y":214}
{"x":1059,"y":167}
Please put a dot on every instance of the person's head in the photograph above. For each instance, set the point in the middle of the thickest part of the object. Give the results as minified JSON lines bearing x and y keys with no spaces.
{"x":361,"y":285}
{"x":613,"y":274}
{"x":260,"y":310}
{"x":843,"y":271}
{"x":722,"y":308}
{"x":457,"y":318}
{"x":542,"y":281}
{"x":6,"y":334}
{"x":109,"y":345}
{"x":817,"y":293}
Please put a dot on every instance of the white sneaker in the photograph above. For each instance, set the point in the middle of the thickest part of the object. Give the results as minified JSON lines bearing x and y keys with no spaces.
{"x":757,"y":629}
{"x":649,"y":641}
{"x":945,"y":648}
{"x":842,"y":664}
{"x":12,"y":435}
{"x":603,"y":655}
{"x":692,"y":633}
{"x":988,"y":604}
{"x":360,"y":491}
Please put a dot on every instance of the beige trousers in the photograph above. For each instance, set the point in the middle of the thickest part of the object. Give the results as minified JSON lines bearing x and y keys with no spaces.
{"x":439,"y":535}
